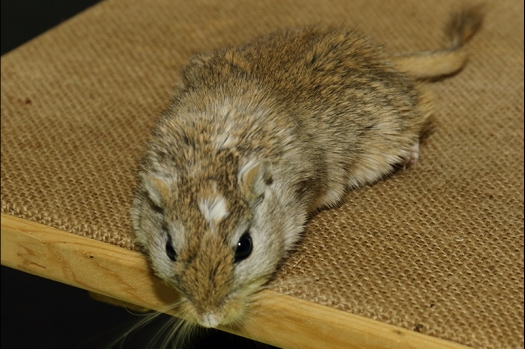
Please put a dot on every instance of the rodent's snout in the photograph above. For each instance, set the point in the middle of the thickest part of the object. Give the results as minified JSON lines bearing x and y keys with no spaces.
{"x":206,"y":281}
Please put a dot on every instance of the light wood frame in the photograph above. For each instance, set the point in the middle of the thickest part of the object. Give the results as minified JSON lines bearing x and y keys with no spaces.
{"x":122,"y":274}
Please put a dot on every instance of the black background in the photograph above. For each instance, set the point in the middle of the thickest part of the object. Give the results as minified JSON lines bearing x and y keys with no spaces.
{"x":39,"y":313}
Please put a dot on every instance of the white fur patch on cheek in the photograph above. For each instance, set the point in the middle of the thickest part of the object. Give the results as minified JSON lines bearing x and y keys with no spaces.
{"x":214,"y":209}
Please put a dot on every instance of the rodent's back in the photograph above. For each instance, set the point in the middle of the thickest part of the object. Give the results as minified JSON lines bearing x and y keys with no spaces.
{"x":333,"y":95}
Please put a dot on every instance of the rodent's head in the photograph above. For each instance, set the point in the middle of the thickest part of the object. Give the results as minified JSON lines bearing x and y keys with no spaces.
{"x":208,"y":233}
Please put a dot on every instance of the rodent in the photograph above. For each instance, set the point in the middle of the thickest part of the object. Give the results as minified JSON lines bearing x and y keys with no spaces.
{"x":258,"y":137}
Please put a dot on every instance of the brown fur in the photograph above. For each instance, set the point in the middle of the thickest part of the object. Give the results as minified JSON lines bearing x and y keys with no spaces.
{"x":259,"y":136}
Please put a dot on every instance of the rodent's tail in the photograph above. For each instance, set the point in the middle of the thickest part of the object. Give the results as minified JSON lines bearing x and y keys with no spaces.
{"x":432,"y":64}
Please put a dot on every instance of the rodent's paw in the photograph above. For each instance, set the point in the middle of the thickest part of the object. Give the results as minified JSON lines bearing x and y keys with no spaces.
{"x":411,"y":156}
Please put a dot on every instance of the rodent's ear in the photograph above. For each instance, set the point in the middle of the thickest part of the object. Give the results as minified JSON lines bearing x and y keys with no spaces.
{"x":194,"y":68}
{"x":201,"y":58}
{"x":159,"y":188}
{"x":254,"y":177}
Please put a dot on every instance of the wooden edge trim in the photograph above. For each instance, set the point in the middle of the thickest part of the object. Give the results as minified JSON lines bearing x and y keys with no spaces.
{"x":276,"y":319}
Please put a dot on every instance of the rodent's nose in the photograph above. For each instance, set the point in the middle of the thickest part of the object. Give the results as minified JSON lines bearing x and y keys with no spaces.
{"x":210,"y":320}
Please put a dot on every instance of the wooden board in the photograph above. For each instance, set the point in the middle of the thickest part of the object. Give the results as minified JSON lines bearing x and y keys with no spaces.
{"x":122,"y":274}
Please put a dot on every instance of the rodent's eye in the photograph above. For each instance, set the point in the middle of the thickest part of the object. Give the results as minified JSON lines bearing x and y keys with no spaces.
{"x":170,"y":251}
{"x":244,"y":247}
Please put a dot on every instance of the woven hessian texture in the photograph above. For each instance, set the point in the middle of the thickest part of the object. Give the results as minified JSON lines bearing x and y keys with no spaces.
{"x":437,"y":248}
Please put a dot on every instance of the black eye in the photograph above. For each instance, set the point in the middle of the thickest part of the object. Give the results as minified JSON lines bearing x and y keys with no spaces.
{"x":244,"y":248}
{"x":170,"y":251}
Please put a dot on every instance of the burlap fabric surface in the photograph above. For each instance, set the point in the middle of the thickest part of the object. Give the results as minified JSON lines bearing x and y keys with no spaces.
{"x":437,"y":248}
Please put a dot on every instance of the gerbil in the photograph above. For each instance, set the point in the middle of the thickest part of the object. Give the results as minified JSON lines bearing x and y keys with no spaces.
{"x":259,"y":136}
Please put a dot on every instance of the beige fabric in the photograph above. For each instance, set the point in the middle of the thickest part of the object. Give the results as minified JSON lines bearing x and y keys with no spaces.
{"x":437,"y":248}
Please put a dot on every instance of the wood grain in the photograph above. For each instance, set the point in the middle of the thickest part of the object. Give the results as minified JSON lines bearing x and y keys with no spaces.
{"x":122,"y":274}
